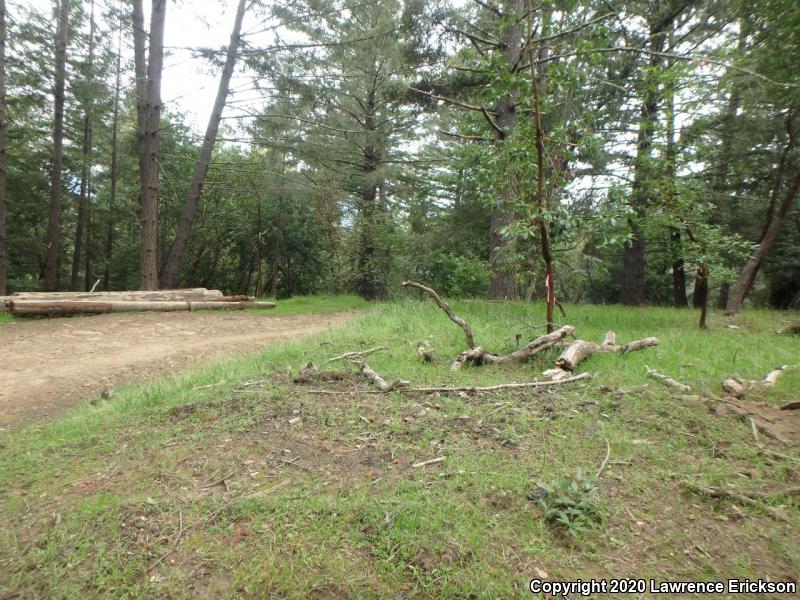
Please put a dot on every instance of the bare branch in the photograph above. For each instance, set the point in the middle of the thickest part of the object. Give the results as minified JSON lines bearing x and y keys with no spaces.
{"x":446,"y":308}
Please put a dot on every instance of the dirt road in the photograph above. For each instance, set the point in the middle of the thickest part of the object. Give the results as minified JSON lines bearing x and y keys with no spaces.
{"x":48,"y":365}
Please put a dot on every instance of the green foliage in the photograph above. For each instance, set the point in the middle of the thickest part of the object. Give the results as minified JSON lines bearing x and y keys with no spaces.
{"x":571,"y":504}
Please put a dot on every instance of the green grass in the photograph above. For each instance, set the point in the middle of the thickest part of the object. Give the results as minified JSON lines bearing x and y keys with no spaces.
{"x":5,"y":318}
{"x":124,"y":498}
{"x":315,"y":304}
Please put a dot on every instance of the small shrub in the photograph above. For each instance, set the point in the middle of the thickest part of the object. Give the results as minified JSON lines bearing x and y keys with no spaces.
{"x":571,"y":504}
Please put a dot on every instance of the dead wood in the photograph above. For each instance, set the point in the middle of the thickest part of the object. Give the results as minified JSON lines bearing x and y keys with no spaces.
{"x":668,"y":381}
{"x":720,"y":493}
{"x":446,"y":308}
{"x":499,"y":387}
{"x":379,"y":381}
{"x":793,"y":328}
{"x":479,"y":356}
{"x":793,"y":405}
{"x":580,"y":350}
{"x":354,"y":354}
{"x":75,"y":307}
{"x":738,"y":388}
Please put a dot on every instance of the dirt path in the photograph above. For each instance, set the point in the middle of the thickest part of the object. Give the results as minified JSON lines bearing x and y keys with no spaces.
{"x":49,"y":365}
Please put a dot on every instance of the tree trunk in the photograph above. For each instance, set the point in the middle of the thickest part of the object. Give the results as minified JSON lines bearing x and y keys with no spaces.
{"x":502,"y":277}
{"x":86,"y":166}
{"x":633,"y":254}
{"x":54,"y":214}
{"x":750,"y":269}
{"x":204,"y":158}
{"x":368,"y":282}
{"x":678,"y":269}
{"x":3,"y":242}
{"x":148,"y":256}
{"x":112,"y":196}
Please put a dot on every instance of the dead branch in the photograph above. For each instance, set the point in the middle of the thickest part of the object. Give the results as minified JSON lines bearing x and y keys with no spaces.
{"x":712,"y":492}
{"x":668,"y":381}
{"x":446,"y":308}
{"x":354,"y":354}
{"x":499,"y":387}
{"x":479,"y":355}
{"x":379,"y":381}
{"x":579,"y":350}
{"x":792,"y":405}
{"x":738,"y":388}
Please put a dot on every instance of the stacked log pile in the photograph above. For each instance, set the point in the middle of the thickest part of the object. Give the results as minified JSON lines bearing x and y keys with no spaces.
{"x":73,"y":303}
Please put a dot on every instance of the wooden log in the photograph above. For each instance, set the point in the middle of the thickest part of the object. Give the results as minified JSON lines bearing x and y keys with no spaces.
{"x":192,"y":294}
{"x":73,"y":307}
{"x":238,"y":298}
{"x":379,"y":381}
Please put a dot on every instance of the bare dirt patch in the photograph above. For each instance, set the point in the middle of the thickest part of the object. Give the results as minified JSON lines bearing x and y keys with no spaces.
{"x":48,"y":365}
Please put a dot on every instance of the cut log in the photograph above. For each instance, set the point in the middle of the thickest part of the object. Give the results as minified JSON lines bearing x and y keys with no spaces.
{"x":738,"y":388}
{"x":191,"y":294}
{"x":74,"y":307}
{"x":479,"y":355}
{"x":238,"y":298}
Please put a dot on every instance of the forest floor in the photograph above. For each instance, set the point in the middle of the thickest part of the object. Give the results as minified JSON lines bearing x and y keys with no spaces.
{"x":234,"y":481}
{"x":49,"y":365}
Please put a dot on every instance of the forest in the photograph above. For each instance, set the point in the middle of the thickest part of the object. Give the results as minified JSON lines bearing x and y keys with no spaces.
{"x":621,"y":151}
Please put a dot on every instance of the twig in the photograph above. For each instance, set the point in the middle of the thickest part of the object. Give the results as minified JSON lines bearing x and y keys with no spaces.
{"x":208,"y":385}
{"x":354,"y":354}
{"x":446,"y":308}
{"x":720,"y":493}
{"x":217,"y":481}
{"x":605,"y":460}
{"x":502,"y":386}
{"x":773,"y":453}
{"x":94,"y":287}
{"x":668,"y":381}
{"x":754,"y":429}
{"x":432,"y":461}
{"x":790,"y":491}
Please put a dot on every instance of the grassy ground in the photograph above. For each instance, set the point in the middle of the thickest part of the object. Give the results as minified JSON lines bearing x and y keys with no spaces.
{"x":316,"y":304}
{"x":206,"y":485}
{"x":5,"y":318}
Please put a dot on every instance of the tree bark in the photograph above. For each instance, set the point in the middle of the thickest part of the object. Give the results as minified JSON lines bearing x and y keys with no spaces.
{"x":86,"y":167}
{"x":148,"y":255}
{"x":3,"y":240}
{"x":502,"y":278}
{"x":748,"y":275}
{"x":204,"y":158}
{"x":633,"y":254}
{"x":112,"y":195}
{"x":54,"y":214}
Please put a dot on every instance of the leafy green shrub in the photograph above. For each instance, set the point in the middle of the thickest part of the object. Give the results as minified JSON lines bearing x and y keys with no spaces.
{"x":571,"y":504}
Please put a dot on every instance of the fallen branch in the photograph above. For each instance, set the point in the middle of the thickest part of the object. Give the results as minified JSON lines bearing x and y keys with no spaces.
{"x":502,"y":386}
{"x":580,"y":350}
{"x":354,"y":354}
{"x":738,"y":388}
{"x":479,"y":356}
{"x":668,"y":381}
{"x":720,"y":493}
{"x":379,"y":381}
{"x":792,"y":405}
{"x":446,"y":308}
